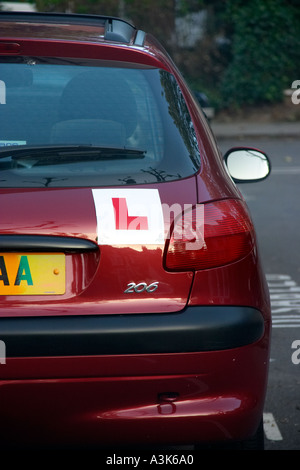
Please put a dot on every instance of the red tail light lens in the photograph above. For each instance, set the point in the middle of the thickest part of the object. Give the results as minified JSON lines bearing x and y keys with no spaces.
{"x":228,"y":235}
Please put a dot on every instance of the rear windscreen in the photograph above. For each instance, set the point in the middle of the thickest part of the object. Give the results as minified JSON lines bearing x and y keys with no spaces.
{"x":66,"y":124}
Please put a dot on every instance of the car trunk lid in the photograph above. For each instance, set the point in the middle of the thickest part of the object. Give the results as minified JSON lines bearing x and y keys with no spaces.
{"x":102,"y":249}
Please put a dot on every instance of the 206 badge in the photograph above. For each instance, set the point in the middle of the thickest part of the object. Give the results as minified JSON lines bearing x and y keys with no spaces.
{"x":132,"y":287}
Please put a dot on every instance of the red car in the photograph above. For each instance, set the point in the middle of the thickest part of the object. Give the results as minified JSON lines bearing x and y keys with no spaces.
{"x":134,"y":309}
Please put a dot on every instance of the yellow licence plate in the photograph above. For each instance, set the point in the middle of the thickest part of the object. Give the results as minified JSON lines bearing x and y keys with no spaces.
{"x":32,"y":274}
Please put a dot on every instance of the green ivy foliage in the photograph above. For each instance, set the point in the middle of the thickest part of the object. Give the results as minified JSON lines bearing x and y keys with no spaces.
{"x":265,"y":51}
{"x":259,"y":58}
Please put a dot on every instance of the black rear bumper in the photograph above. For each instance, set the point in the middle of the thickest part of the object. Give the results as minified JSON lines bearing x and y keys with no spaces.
{"x":195,"y":329}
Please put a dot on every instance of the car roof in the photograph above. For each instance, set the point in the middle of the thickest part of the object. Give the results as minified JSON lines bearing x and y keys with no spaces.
{"x":72,"y":27}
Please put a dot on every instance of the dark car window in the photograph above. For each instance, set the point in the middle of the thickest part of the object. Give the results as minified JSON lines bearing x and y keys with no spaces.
{"x":70,"y":124}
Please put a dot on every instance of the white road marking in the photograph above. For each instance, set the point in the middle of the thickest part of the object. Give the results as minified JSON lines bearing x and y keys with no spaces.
{"x":249,"y":197}
{"x":285,"y":301}
{"x":271,"y":429}
{"x":286,"y":170}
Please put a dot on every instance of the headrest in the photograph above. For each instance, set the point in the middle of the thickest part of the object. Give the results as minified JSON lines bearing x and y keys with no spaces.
{"x":100,"y":93}
{"x":89,"y":131}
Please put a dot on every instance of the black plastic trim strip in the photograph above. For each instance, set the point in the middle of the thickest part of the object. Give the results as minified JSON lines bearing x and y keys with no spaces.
{"x":45,"y":243}
{"x":59,"y":17}
{"x":195,"y":329}
{"x":116,"y":29}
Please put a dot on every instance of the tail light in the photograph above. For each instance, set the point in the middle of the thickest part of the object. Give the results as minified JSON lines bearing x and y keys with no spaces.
{"x":223,"y":234}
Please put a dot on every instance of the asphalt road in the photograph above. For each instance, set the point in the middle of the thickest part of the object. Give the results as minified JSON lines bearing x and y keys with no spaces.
{"x":275,"y":208}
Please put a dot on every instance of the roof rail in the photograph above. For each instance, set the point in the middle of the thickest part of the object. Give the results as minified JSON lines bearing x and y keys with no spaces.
{"x":116,"y":29}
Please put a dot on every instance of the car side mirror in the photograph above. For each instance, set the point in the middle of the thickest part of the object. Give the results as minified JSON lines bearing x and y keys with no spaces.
{"x":247,"y":165}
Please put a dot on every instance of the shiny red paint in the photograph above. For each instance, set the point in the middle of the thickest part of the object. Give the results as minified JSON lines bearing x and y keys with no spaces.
{"x":117,"y":399}
{"x":210,"y":405}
